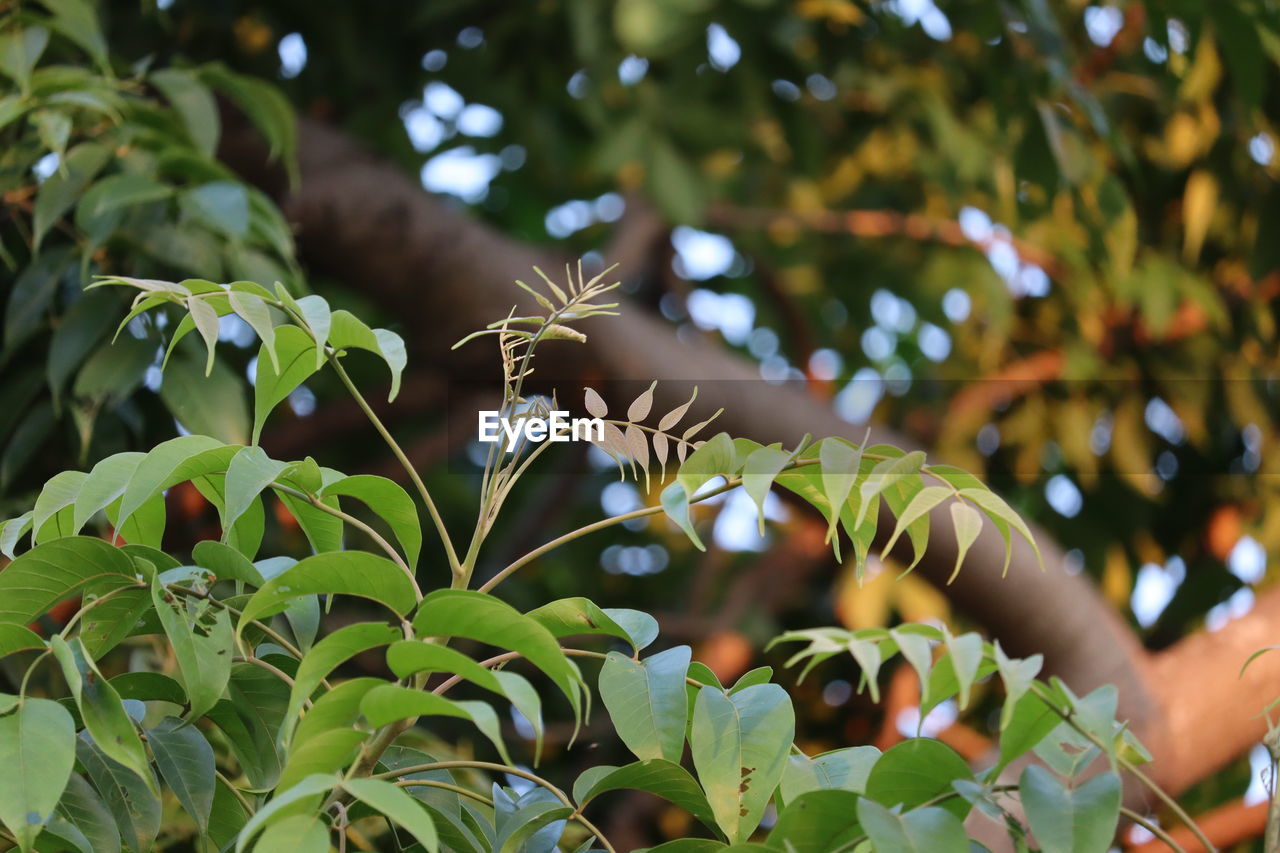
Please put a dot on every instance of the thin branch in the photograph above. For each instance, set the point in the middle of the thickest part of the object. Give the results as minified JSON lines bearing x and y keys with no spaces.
{"x":1153,"y":828}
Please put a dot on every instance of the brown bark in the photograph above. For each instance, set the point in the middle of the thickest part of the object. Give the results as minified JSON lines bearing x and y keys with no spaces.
{"x":363,"y":221}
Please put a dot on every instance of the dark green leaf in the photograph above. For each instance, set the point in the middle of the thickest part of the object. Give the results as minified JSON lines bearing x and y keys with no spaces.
{"x":37,"y":752}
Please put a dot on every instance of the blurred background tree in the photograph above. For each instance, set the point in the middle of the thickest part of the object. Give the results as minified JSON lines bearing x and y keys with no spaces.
{"x":1035,"y":237}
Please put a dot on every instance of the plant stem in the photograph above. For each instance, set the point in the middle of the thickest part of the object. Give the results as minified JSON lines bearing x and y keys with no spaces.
{"x":513,"y":771}
{"x":235,"y":792}
{"x":1153,"y":828}
{"x":402,"y":458}
{"x":359,"y":525}
{"x":457,"y":789}
{"x":1272,"y":837}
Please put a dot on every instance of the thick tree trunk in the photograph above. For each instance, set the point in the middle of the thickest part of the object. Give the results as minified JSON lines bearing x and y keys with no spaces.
{"x":364,"y":221}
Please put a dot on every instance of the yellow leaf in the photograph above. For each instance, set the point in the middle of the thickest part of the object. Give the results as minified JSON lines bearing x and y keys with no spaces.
{"x":1199,"y":200}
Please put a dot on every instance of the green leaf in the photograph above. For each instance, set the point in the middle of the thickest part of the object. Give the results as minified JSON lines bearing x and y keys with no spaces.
{"x":569,"y":617}
{"x":205,"y":318}
{"x":162,"y":468}
{"x":20,"y":50}
{"x":308,"y":789}
{"x":1071,"y":820}
{"x":968,"y":524}
{"x":476,"y":616}
{"x":186,"y":763}
{"x":48,"y":573}
{"x":37,"y":752}
{"x":227,"y":818}
{"x":315,"y":314}
{"x":884,"y":474}
{"x":325,"y":656}
{"x":136,"y":811}
{"x":715,"y":457}
{"x":646,"y":701}
{"x":58,"y":493}
{"x":321,"y":752}
{"x":193,"y":102}
{"x":841,"y":769}
{"x":916,"y":771}
{"x":102,"y":711}
{"x":758,"y":474}
{"x":996,"y":509}
{"x":223,"y":205}
{"x":818,"y":821}
{"x":265,"y":105}
{"x":77,"y":20}
{"x":253,"y":310}
{"x":83,"y":808}
{"x":203,"y":643}
{"x":391,"y":503}
{"x":1030,"y":722}
{"x":336,"y":573}
{"x":16,"y":638}
{"x":390,"y":702}
{"x":295,"y":350}
{"x":840,"y":463}
{"x":346,"y":331}
{"x":399,"y":807}
{"x":116,"y":192}
{"x":657,"y":776}
{"x":930,"y":830}
{"x":919,"y":507}
{"x":1017,"y":674}
{"x":61,"y":189}
{"x":248,"y":474}
{"x":675,"y":503}
{"x":740,"y":745}
{"x":299,"y":833}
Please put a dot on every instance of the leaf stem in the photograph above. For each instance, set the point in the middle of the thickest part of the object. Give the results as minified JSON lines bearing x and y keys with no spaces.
{"x":1153,"y":828}
{"x":359,"y":525}
{"x":399,"y":453}
{"x":457,"y":789}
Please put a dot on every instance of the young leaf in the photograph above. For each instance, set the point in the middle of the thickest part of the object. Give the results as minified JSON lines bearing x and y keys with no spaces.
{"x":1070,"y":820}
{"x":995,"y":508}
{"x":966,"y":656}
{"x":839,"y":462}
{"x":740,"y":746}
{"x":968,"y":524}
{"x":671,"y":418}
{"x":594,"y":405}
{"x":206,"y":321}
{"x":1017,"y":674}
{"x":881,"y":476}
{"x":675,"y":503}
{"x":102,"y":711}
{"x":185,"y":760}
{"x":640,"y":406}
{"x":758,"y":474}
{"x":37,"y":752}
{"x":920,"y":506}
{"x":254,"y":311}
{"x":646,"y":701}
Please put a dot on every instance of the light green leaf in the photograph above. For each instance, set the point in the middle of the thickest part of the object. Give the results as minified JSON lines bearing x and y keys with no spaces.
{"x":968,"y":524}
{"x":248,"y":474}
{"x":409,"y":657}
{"x":646,"y":701}
{"x":327,"y":751}
{"x":325,"y":656}
{"x":758,"y":474}
{"x":920,"y":506}
{"x":16,"y":638}
{"x":740,"y":745}
{"x":102,"y":711}
{"x":841,"y":769}
{"x":205,"y":318}
{"x":929,"y":830}
{"x":569,"y":617}
{"x":1017,"y":674}
{"x":995,"y":507}
{"x":839,"y":462}
{"x":346,"y":331}
{"x":308,"y":789}
{"x":203,"y":643}
{"x":1030,"y":722}
{"x":390,"y":702}
{"x":295,"y":349}
{"x":335,"y":573}
{"x":254,"y":311}
{"x":476,"y":616}
{"x":391,"y":503}
{"x":656,"y":776}
{"x":186,"y":762}
{"x":298,"y":833}
{"x":104,"y":484}
{"x":966,"y":656}
{"x":399,"y":807}
{"x":715,"y":457}
{"x":58,"y":493}
{"x":223,"y":205}
{"x":78,"y":21}
{"x":882,"y":476}
{"x":157,"y":471}
{"x":1071,"y":820}
{"x":675,"y":503}
{"x":37,"y":752}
